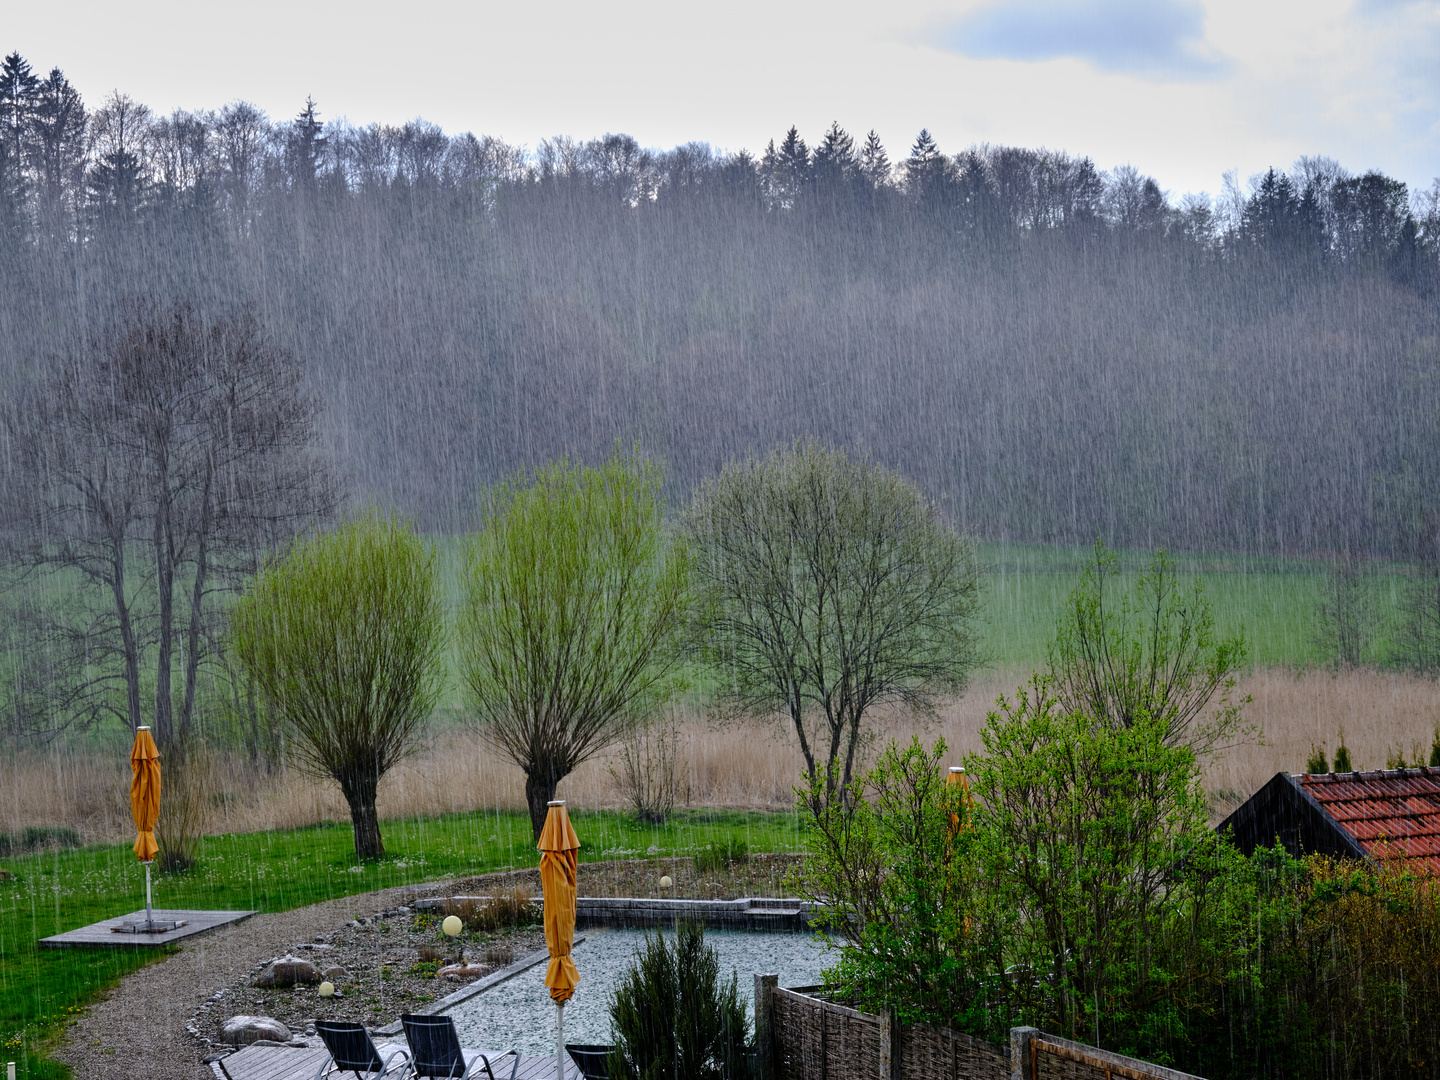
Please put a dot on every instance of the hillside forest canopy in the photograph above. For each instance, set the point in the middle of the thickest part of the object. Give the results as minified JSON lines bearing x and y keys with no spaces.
{"x":1055,"y":352}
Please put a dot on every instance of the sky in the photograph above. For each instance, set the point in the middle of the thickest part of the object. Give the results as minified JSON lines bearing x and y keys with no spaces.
{"x":1184,"y":90}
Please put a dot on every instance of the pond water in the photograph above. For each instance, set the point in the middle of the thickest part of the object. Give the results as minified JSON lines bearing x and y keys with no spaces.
{"x":519,"y":1012}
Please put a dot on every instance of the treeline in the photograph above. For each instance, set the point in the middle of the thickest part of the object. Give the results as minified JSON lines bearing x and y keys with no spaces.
{"x":1054,"y":351}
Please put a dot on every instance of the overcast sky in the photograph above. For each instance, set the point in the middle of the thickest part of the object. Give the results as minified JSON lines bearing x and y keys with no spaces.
{"x":1182,"y":89}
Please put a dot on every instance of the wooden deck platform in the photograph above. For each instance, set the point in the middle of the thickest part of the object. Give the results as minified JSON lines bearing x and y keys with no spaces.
{"x":293,"y":1063}
{"x":100,"y":935}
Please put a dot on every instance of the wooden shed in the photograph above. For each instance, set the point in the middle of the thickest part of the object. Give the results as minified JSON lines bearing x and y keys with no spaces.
{"x":1388,"y":813}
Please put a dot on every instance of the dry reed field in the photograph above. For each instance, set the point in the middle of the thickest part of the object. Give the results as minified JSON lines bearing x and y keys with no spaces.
{"x":742,"y":766}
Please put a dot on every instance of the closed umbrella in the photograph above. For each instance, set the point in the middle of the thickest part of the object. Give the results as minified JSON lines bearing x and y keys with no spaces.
{"x":145,"y":805}
{"x":145,"y":809}
{"x":558,"y":862}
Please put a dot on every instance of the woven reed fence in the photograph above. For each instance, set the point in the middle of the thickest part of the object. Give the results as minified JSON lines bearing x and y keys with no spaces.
{"x":804,"y":1037}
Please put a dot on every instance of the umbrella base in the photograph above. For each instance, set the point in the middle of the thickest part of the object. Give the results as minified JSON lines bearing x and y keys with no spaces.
{"x":149,"y":926}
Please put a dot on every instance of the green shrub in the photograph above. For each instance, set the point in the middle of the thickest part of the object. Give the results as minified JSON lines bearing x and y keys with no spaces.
{"x":714,"y":858}
{"x":673,"y":1016}
{"x":37,"y":838}
{"x":1317,"y":764}
{"x":501,"y":909}
{"x":893,"y":868}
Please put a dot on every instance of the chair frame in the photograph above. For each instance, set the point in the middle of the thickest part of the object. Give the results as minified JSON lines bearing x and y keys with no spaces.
{"x":388,"y":1064}
{"x":482,"y":1060}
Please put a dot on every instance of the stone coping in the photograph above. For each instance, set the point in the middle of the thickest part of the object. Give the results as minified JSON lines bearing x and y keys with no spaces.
{"x":746,"y":913}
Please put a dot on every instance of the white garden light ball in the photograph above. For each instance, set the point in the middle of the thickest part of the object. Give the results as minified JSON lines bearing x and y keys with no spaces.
{"x":665,"y":882}
{"x":327,"y":989}
{"x":452,"y":925}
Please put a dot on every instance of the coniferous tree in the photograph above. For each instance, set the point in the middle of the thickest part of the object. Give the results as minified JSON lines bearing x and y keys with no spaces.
{"x":306,"y":145}
{"x":58,"y":121}
{"x":19,"y":87}
{"x":927,"y":171}
{"x":874,"y":162}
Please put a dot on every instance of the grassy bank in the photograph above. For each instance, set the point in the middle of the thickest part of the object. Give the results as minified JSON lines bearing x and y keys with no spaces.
{"x":55,"y":891}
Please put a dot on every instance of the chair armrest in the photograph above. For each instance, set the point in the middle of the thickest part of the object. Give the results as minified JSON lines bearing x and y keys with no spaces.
{"x":400,"y":1052}
{"x":483,"y":1060}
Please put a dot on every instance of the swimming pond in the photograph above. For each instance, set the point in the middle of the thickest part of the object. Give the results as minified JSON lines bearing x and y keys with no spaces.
{"x":519,"y":1012}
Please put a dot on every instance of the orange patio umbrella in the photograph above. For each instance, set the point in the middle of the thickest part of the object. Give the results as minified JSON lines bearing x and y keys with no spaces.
{"x":558,"y":863}
{"x":145,"y":804}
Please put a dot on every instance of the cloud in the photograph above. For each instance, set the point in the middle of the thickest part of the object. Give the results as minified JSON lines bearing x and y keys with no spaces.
{"x":1162,"y":39}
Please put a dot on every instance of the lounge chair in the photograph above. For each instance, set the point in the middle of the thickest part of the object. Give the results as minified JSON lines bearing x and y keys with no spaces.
{"x":435,"y":1050}
{"x":592,"y":1061}
{"x":353,"y":1051}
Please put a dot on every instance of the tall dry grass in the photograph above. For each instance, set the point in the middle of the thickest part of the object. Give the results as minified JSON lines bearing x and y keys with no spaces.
{"x":747,"y":766}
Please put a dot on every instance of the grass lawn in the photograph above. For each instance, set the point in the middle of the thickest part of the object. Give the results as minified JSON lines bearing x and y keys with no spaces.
{"x":57,"y":891}
{"x":1273,"y":600}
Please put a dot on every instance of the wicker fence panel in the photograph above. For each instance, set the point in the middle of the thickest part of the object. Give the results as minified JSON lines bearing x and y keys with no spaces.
{"x":1050,"y":1067}
{"x":931,"y":1053}
{"x":814,"y":1039}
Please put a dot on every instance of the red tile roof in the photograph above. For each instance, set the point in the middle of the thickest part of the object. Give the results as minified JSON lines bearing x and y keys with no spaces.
{"x":1391,"y":814}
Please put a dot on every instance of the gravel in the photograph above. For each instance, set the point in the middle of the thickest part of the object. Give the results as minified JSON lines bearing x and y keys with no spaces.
{"x":166,"y":1017}
{"x":139,"y":1028}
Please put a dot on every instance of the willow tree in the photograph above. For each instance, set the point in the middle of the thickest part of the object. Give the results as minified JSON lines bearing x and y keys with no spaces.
{"x":830,"y":587}
{"x":576,"y":600}
{"x":345,"y":635}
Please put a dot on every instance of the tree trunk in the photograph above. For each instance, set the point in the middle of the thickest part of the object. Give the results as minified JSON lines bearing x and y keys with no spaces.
{"x":197,"y":602}
{"x":540,"y":785}
{"x":165,"y":588}
{"x":360,"y":794}
{"x":127,"y":632}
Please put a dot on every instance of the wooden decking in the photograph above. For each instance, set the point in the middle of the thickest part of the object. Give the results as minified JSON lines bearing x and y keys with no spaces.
{"x":101,"y":934}
{"x":293,"y":1063}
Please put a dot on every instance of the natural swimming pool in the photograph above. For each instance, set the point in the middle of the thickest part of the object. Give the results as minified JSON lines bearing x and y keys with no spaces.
{"x":519,"y":1012}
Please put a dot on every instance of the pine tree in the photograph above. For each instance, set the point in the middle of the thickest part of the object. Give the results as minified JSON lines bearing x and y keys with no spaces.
{"x":18,"y":89}
{"x":306,"y":145}
{"x":927,"y":171}
{"x":874,"y":162}
{"x":834,"y":163}
{"x":788,"y":168}
{"x":58,"y":123}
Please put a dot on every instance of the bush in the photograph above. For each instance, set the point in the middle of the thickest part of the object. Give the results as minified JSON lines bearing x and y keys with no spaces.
{"x":715,"y":858}
{"x":894,"y":867}
{"x":38,"y":838}
{"x":646,"y":770}
{"x":185,"y":808}
{"x":501,"y":909}
{"x":673,"y":1016}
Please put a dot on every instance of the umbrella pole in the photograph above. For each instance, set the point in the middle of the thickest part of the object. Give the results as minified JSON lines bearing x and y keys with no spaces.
{"x":149,"y":916}
{"x":559,"y":1040}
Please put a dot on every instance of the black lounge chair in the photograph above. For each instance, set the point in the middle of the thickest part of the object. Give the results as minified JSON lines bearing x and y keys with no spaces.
{"x":435,"y":1050}
{"x":353,"y":1051}
{"x":593,"y":1061}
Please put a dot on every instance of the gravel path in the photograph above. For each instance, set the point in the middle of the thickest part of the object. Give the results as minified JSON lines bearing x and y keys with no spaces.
{"x":139,"y":1029}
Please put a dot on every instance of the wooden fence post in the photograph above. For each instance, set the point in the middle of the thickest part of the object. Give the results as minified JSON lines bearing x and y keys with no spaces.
{"x":1020,"y":1068}
{"x":889,"y":1046}
{"x":764,"y":1036}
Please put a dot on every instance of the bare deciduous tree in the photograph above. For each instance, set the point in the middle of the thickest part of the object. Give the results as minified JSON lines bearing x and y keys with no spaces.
{"x":153,"y":465}
{"x":829,"y":587}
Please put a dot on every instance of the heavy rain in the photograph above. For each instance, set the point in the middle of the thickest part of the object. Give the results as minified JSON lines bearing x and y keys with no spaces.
{"x":404,"y":482}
